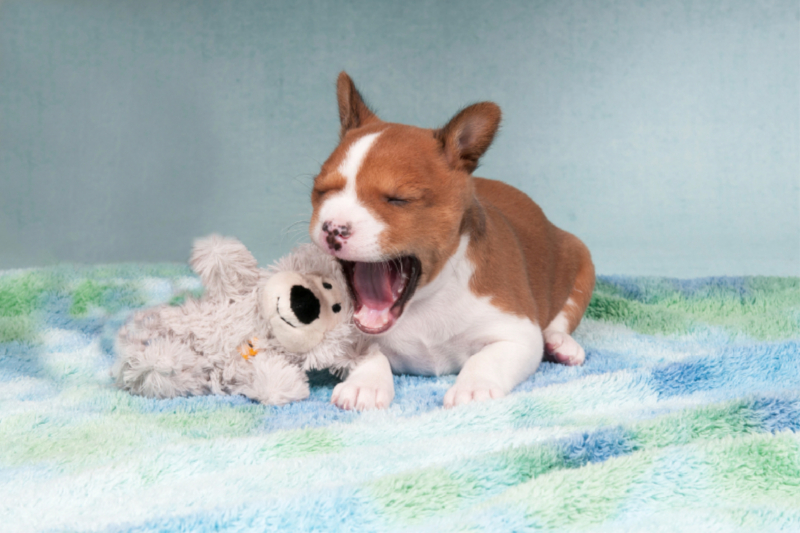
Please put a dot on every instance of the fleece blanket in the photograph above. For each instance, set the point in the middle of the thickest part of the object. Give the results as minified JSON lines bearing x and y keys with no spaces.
{"x":685,"y":417}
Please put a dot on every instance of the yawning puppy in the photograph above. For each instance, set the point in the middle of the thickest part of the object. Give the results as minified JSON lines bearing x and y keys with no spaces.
{"x":448,"y":272}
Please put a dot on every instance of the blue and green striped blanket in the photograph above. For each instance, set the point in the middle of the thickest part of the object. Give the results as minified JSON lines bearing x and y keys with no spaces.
{"x":685,"y":417}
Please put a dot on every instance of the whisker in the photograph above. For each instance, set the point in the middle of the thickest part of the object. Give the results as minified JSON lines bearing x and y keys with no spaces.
{"x":294,"y":226}
{"x":304,"y":179}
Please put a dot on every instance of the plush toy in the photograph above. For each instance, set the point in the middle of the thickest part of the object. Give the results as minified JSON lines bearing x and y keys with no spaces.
{"x":253,"y":332}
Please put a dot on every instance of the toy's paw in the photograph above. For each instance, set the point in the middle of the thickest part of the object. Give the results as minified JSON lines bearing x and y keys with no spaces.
{"x":276,"y":381}
{"x":563,"y":348}
{"x":361,"y":396}
{"x":471,"y":390}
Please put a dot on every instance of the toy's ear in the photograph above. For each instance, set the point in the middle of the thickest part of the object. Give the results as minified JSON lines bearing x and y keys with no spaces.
{"x":226,"y":267}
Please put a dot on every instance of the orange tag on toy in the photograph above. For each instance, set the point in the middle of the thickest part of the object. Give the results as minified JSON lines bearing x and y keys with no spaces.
{"x":248,"y":349}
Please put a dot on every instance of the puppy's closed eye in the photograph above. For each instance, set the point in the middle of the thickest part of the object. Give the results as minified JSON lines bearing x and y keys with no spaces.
{"x":395,"y":200}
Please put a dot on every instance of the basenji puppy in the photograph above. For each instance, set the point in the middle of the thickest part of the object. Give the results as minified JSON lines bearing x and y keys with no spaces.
{"x":448,"y":272}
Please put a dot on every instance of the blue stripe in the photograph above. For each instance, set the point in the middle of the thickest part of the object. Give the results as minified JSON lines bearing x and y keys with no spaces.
{"x":596,"y":446}
{"x":737,"y":369}
{"x":343,"y":510}
{"x":777,"y":414}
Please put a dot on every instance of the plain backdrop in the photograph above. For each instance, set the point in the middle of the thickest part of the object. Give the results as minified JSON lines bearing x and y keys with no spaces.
{"x":665,"y":134}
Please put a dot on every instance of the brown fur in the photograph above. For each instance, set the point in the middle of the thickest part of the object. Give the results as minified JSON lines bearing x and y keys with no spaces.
{"x":353,"y":112}
{"x":428,"y":226}
{"x":523,"y":263}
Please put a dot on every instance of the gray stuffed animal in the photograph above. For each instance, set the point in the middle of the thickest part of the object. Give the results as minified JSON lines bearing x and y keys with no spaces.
{"x":254,"y":331}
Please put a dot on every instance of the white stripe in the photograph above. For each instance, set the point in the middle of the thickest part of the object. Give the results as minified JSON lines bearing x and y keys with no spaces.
{"x":344,"y":207}
{"x":351,"y":164}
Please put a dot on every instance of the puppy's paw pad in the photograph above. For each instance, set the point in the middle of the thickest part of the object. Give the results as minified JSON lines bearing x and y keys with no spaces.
{"x":353,"y":396}
{"x":564,"y":349}
{"x":463,"y":393}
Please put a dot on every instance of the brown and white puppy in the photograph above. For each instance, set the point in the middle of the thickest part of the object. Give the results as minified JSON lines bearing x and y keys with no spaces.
{"x":449,"y":272}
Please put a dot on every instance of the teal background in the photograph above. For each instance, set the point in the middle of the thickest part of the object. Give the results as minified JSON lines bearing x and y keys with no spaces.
{"x":665,"y":134}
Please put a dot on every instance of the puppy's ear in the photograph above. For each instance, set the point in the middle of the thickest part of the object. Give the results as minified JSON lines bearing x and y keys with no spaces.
{"x":353,"y":112}
{"x":468,"y":135}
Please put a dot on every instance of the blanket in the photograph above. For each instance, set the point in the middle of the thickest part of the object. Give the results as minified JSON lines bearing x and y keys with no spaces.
{"x":685,"y":417}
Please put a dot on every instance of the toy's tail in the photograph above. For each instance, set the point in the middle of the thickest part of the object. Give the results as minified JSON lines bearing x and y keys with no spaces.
{"x":225,"y":267}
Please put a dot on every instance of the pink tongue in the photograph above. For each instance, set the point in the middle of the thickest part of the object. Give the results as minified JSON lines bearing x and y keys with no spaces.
{"x":373,"y":283}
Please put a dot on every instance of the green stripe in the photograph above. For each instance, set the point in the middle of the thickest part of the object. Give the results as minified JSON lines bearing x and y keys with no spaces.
{"x":417,"y":495}
{"x":111,"y":296}
{"x":759,"y":470}
{"x":769,"y":309}
{"x":301,"y":443}
{"x":702,"y":423}
{"x":21,"y":294}
{"x":578,"y":497}
{"x":17,"y":328}
{"x":117,"y":428}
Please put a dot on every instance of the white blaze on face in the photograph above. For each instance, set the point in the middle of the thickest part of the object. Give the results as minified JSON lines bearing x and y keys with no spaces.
{"x":344,"y":208}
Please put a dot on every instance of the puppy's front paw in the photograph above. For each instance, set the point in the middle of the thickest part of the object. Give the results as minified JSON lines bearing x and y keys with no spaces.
{"x":369,"y":386}
{"x":361,"y":397}
{"x":563,"y":348}
{"x":471,"y":391}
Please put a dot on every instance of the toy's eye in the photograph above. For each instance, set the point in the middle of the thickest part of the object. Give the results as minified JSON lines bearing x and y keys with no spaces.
{"x":336,"y":308}
{"x":327,"y":285}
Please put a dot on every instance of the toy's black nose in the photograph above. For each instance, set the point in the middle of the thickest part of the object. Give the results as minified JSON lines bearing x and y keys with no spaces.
{"x":305,"y":305}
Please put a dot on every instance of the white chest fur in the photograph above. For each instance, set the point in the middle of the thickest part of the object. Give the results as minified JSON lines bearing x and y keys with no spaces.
{"x":446,"y":323}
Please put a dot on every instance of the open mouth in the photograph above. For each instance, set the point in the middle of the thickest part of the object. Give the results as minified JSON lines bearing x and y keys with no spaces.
{"x":380,"y":290}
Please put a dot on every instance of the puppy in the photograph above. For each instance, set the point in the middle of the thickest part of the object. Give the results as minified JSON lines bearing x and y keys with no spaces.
{"x":448,"y":272}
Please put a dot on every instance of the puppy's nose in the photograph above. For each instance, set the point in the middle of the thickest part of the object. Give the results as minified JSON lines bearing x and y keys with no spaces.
{"x":336,"y":234}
